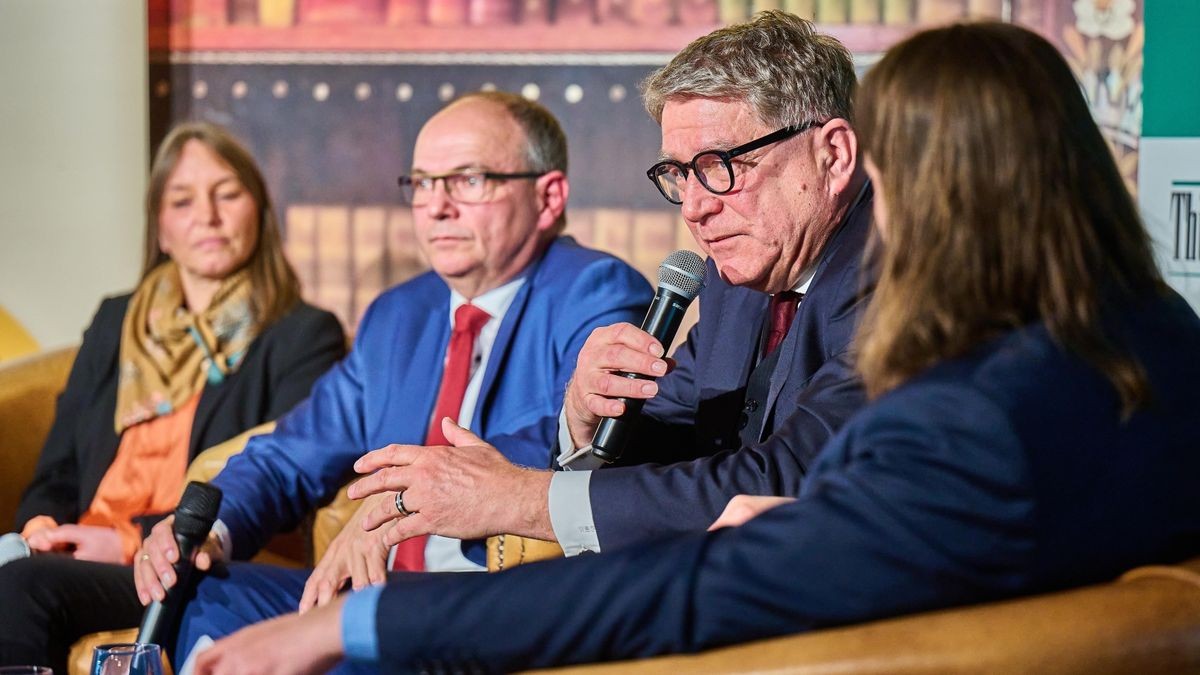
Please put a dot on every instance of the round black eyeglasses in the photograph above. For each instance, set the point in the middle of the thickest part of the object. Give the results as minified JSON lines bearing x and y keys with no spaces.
{"x":713,"y":168}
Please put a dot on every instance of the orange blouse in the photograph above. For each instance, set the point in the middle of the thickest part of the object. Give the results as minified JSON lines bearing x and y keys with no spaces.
{"x":145,"y":477}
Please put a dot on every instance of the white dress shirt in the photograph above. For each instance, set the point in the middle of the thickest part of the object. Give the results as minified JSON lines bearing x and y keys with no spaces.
{"x":444,"y":554}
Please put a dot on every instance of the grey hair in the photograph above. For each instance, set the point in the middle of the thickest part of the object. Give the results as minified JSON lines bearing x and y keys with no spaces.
{"x":545,"y":142}
{"x":776,"y":62}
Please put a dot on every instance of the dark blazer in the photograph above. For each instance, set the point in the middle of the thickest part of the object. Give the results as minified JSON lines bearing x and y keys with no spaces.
{"x":279,"y":369}
{"x":699,"y":410}
{"x":385,"y":391}
{"x":1008,"y":471}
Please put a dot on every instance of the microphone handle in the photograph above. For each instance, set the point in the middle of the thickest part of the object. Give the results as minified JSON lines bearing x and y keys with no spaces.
{"x":662,"y":321}
{"x":161,"y":615}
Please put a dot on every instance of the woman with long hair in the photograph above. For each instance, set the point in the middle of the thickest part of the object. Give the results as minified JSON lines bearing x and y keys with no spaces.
{"x":213,"y":341}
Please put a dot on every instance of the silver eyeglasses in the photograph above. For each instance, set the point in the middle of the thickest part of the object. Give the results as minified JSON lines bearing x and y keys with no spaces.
{"x":470,"y":186}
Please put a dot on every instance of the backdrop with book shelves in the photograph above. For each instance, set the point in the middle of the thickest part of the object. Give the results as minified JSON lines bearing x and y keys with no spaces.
{"x":330,"y":94}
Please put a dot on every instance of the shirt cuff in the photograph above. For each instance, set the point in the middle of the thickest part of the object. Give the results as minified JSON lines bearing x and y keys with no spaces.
{"x":566,"y":446}
{"x":571,"y":512}
{"x":221,"y":531}
{"x":358,"y":624}
{"x":570,"y":458}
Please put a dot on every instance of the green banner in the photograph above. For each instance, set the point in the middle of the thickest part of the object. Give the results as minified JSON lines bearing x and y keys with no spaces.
{"x":1171,"y":98}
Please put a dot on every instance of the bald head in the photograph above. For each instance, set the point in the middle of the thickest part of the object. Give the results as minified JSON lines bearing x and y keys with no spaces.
{"x":481,"y":232}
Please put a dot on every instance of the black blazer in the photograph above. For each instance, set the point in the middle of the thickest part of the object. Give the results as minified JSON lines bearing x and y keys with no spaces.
{"x":280,"y":368}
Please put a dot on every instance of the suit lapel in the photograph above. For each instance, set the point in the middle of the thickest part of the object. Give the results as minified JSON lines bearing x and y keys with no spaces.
{"x":820,"y":299}
{"x":500,"y":353}
{"x":740,"y":331}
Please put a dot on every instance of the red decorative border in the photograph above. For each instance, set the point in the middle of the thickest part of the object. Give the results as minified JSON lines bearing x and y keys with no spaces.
{"x":513,"y":38}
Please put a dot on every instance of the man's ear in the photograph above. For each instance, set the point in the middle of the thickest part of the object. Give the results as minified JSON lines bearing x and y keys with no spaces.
{"x":552,"y":191}
{"x":837,"y":152}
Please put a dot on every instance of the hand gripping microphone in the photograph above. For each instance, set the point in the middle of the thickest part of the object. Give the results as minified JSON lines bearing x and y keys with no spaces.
{"x":194,"y":518}
{"x":680,"y":278}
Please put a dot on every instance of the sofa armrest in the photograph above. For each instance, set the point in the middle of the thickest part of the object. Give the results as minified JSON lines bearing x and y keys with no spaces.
{"x":209,"y":463}
{"x":509,"y":550}
{"x":1148,"y":621}
{"x":29,"y":388}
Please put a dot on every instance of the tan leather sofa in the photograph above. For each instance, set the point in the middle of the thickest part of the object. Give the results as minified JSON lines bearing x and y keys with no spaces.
{"x":1148,"y":621}
{"x":29,"y":387}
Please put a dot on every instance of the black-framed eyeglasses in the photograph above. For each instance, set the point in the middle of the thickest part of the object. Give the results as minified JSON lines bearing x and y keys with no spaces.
{"x":464,"y":187}
{"x":713,"y":168}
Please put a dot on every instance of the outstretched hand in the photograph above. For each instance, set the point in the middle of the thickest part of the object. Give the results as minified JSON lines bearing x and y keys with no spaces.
{"x":294,"y":644}
{"x":745,"y":507}
{"x":355,"y":554}
{"x":466,"y":490}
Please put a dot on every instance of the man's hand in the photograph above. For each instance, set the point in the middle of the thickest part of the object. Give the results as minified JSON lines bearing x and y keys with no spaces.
{"x":294,"y":644}
{"x":355,"y":554}
{"x":745,"y":507}
{"x":596,"y":385}
{"x":85,"y":542}
{"x":466,"y":490}
{"x":153,"y":573}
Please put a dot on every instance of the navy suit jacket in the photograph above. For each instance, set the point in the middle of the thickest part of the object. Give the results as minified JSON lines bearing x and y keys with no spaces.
{"x":698,"y":411}
{"x":1007,"y":471}
{"x":385,"y":390}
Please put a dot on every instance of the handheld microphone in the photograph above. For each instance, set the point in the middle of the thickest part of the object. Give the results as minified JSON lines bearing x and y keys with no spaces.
{"x":680,"y":278}
{"x":194,"y":517}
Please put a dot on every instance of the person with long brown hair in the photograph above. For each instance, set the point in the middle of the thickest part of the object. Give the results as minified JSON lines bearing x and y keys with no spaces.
{"x":1031,"y":424}
{"x":213,"y":341}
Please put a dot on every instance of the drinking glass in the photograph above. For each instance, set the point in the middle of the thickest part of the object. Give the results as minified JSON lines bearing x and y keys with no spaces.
{"x":127,"y":659}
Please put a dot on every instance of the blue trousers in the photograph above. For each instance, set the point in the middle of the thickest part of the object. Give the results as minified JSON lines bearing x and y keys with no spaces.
{"x":240,"y":595}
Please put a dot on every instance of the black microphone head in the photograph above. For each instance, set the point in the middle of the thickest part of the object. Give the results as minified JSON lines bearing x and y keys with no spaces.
{"x":197,"y":510}
{"x":683,"y":272}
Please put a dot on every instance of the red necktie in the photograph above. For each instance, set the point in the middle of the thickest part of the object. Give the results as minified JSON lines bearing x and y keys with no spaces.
{"x":783,"y":311}
{"x":468,"y":321}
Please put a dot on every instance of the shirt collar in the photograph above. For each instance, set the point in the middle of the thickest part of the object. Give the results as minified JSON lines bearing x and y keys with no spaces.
{"x":495,"y":302}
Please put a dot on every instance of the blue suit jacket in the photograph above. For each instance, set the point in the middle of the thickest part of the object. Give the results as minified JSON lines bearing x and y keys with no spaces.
{"x":385,"y":390}
{"x":1007,"y":471}
{"x":698,"y":411}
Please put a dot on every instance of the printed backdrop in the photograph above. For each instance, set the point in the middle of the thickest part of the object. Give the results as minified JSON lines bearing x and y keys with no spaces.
{"x":329,"y":95}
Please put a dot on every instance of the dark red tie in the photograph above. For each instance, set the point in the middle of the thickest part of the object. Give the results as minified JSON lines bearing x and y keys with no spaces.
{"x":783,"y":311}
{"x":456,"y":373}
